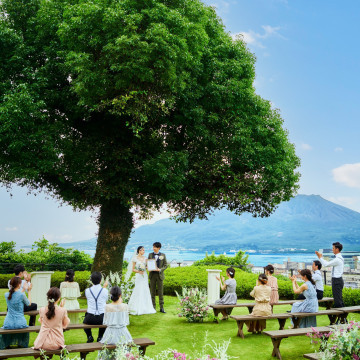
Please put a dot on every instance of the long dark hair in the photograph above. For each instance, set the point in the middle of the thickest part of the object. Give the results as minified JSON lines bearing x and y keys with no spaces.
{"x":53,"y":295}
{"x":115,"y":293}
{"x":69,"y":275}
{"x":14,"y":283}
{"x":263,"y":279}
{"x":307,"y":273}
{"x":138,"y":249}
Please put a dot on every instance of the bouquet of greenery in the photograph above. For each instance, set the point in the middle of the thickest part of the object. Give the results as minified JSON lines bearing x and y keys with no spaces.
{"x":343,"y":343}
{"x":193,"y":304}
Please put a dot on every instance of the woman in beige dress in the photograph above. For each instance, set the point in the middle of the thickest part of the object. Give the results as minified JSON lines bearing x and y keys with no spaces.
{"x":272,"y":282}
{"x":261,"y":293}
{"x":70,"y":291}
{"x":53,"y":319}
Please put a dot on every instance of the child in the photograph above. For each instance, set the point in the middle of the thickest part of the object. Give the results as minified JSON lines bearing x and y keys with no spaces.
{"x":230,"y":297}
{"x":96,"y":299}
{"x":261,"y":293}
{"x":53,"y":320}
{"x":116,"y":318}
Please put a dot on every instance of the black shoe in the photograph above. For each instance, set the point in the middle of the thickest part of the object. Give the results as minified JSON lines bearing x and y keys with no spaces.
{"x":90,"y":339}
{"x":162,"y":311}
{"x":99,"y":339}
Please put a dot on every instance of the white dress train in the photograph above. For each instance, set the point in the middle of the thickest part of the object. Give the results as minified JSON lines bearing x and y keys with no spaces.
{"x":140,"y":302}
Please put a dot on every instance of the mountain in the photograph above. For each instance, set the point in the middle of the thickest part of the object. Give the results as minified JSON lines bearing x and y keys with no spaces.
{"x":305,"y":222}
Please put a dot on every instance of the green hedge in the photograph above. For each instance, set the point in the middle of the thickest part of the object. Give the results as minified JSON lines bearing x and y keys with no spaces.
{"x":196,"y":276}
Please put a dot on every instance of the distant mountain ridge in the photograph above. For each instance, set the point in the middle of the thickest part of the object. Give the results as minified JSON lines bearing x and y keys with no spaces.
{"x":305,"y":222}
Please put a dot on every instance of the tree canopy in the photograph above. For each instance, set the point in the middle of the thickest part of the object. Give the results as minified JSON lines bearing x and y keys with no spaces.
{"x":124,"y":105}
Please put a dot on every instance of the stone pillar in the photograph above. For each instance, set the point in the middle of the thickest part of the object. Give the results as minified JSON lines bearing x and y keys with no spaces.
{"x":41,"y":283}
{"x":213,"y":287}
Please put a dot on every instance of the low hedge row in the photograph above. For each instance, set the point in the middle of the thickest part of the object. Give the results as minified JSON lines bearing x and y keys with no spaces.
{"x":196,"y":276}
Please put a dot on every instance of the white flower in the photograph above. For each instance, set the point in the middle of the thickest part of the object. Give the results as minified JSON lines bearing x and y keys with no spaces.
{"x":161,"y":257}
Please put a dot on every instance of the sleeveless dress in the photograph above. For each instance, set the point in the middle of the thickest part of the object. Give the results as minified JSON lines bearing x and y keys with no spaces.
{"x":310,"y":304}
{"x":116,"y":317}
{"x":15,"y":319}
{"x":274,"y":297}
{"x":230,"y":297}
{"x":140,"y":302}
{"x":70,"y":291}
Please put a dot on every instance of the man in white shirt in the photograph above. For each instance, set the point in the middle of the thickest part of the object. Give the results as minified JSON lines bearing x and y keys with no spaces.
{"x":20,"y":272}
{"x":316,"y":276}
{"x":337,"y":282}
{"x":97,"y":297}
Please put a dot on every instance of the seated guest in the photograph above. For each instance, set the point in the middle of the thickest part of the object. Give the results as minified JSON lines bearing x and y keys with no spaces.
{"x":53,"y":319}
{"x":310,"y":304}
{"x":272,"y":282}
{"x":262,"y":294}
{"x":316,"y":276}
{"x":116,"y":318}
{"x":230,"y":296}
{"x":96,"y":299}
{"x":70,"y":291}
{"x":20,"y":272}
{"x":15,"y":319}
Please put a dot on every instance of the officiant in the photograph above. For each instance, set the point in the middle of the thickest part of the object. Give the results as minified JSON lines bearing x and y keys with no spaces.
{"x":157,"y":275}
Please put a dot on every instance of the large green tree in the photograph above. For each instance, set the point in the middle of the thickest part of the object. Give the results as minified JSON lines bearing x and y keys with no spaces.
{"x":124,"y":105}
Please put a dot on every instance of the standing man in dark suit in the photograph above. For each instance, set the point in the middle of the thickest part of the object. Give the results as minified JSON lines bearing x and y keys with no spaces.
{"x":157,"y":277}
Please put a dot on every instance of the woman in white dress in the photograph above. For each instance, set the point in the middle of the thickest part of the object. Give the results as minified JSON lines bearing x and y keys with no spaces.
{"x":140,"y":300}
{"x":70,"y":291}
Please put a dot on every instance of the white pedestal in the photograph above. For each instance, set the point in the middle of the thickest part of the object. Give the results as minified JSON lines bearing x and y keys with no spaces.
{"x":213,"y":287}
{"x":41,"y":283}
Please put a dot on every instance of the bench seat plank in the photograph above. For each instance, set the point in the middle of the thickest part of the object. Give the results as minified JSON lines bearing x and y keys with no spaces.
{"x":36,"y":328}
{"x":36,"y":312}
{"x":313,"y":356}
{"x":82,"y":348}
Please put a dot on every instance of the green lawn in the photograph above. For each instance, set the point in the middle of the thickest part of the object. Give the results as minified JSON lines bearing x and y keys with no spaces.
{"x":170,"y":331}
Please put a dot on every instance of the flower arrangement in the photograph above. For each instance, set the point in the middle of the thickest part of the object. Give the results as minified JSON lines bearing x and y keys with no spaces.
{"x":140,"y":267}
{"x":343,"y":343}
{"x":193,"y":304}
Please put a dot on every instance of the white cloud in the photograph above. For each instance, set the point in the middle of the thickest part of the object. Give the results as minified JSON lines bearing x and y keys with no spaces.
{"x":338,"y":149}
{"x":11,"y":228}
{"x":256,"y":38}
{"x":305,"y":146}
{"x":348,"y":174}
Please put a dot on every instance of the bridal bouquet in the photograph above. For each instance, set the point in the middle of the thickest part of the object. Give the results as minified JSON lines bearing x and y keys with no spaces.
{"x":140,"y":267}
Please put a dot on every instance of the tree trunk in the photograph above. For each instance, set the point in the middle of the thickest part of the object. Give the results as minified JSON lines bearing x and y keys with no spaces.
{"x":115,"y":224}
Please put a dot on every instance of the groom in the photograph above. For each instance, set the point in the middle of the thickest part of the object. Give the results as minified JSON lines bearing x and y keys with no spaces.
{"x":157,"y":277}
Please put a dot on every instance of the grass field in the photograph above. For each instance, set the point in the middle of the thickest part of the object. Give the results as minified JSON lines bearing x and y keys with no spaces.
{"x":170,"y":331}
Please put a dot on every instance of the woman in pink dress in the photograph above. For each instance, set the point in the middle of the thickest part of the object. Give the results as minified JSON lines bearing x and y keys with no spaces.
{"x":53,"y":319}
{"x":272,"y":282}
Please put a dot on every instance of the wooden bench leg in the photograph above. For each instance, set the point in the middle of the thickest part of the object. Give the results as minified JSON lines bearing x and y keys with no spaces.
{"x":250,"y":308}
{"x":343,"y":318}
{"x":142,"y":349}
{"x":83,"y":355}
{"x":329,"y":304}
{"x":281,"y":323}
{"x":332,"y":319}
{"x":276,"y":350}
{"x":240,"y":324}
{"x":216,"y":313}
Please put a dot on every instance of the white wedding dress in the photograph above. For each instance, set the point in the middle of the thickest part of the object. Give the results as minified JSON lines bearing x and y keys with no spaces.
{"x":140,"y":300}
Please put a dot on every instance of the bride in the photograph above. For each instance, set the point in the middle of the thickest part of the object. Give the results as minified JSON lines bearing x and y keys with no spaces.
{"x":140,"y":300}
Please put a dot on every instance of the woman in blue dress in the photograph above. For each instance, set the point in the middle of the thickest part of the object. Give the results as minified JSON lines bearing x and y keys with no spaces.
{"x":310,"y":304}
{"x":15,"y":319}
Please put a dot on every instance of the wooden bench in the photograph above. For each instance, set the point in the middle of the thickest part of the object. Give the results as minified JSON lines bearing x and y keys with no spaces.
{"x":36,"y":328}
{"x":83,"y":349}
{"x":241,"y":319}
{"x":346,"y":311}
{"x":278,"y":335}
{"x":36,"y":312}
{"x":333,"y":315}
{"x":313,"y":356}
{"x":327,"y":302}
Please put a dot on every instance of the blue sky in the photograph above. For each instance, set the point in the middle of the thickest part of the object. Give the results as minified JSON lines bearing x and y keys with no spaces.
{"x":308,"y":65}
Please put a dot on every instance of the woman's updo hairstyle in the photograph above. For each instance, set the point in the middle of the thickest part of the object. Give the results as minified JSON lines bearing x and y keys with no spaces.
{"x":115,"y":293}
{"x":269,"y":268}
{"x":138,"y":249}
{"x":307,"y":273}
{"x":14,"y":283}
{"x":231,"y":272}
{"x":70,"y":275}
{"x":263,"y":279}
{"x":53,"y":295}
